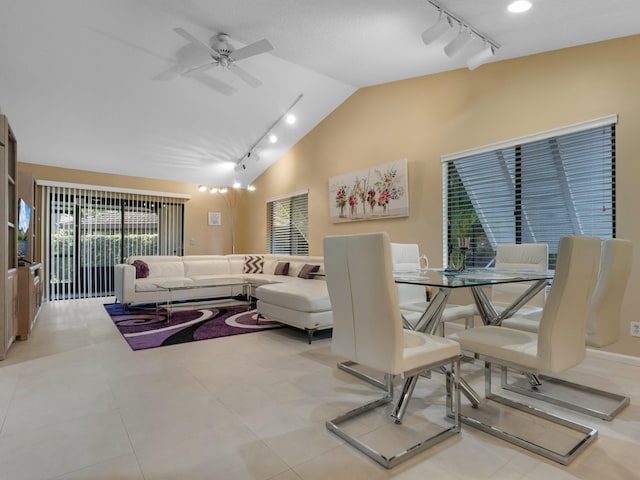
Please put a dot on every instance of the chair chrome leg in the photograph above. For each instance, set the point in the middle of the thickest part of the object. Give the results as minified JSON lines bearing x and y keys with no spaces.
{"x":348,"y":365}
{"x":565,"y":458}
{"x":400,"y":406}
{"x":453,"y":395}
{"x":543,"y":390}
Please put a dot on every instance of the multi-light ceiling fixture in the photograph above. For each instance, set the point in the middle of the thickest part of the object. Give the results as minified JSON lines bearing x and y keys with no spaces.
{"x":288,"y":117}
{"x":204,"y":188}
{"x":466,"y":34}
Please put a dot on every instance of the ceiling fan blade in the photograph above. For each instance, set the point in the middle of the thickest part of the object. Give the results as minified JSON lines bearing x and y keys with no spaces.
{"x":245,"y":76}
{"x":252,"y":49}
{"x":184,"y":34}
{"x":201,"y":68}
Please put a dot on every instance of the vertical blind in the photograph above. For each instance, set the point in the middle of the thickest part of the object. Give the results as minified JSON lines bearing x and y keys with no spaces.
{"x":535,"y":191}
{"x":288,"y":225}
{"x":87,"y":231}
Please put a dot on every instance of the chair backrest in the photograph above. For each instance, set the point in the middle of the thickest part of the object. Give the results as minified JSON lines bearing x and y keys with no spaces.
{"x":561,"y":335}
{"x":367,"y":326}
{"x":406,"y":257}
{"x":521,"y":256}
{"x":603,"y":321}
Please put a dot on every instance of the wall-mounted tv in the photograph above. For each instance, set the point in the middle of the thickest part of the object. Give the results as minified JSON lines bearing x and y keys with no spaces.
{"x":24,"y":222}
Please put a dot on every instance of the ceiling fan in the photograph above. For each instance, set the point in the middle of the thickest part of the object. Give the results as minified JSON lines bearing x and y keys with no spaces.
{"x":225,"y":55}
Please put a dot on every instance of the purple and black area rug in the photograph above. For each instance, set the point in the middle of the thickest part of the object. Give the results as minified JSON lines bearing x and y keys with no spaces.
{"x":146,"y":328}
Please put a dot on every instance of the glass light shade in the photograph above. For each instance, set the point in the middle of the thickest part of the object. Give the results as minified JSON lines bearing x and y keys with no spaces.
{"x":519,"y":6}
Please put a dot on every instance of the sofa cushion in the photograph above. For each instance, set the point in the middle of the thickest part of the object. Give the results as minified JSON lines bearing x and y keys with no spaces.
{"x":166,"y":269}
{"x":142,"y":269}
{"x":282,"y":268}
{"x":306,"y":297}
{"x":216,"y":266}
{"x":307,"y":269}
{"x":253,"y":264}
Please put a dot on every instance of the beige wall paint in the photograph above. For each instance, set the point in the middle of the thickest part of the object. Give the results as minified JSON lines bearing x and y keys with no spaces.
{"x":426,"y":117}
{"x":207,"y":239}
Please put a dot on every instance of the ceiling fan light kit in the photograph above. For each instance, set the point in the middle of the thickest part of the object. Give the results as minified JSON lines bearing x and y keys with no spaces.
{"x":466,"y":34}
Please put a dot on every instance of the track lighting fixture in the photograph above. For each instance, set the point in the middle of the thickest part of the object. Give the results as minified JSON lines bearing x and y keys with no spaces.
{"x":435,"y":31}
{"x":466,"y":33}
{"x":482,"y":56}
{"x":455,"y":46}
{"x":287,"y":116}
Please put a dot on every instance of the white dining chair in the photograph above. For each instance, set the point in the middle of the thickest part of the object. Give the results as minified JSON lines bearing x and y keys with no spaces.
{"x":558,"y":345}
{"x":368,"y":329}
{"x":412,"y":298}
{"x":602,"y":329}
{"x":532,"y":257}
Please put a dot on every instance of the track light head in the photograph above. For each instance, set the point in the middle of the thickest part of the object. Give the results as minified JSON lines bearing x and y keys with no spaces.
{"x":481,"y":57}
{"x":456,"y":45}
{"x":435,"y":31}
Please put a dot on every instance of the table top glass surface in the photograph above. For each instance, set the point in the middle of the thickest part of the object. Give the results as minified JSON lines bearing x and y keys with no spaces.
{"x":437,"y":277}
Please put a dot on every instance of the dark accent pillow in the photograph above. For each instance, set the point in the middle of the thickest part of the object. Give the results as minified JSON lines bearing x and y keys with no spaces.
{"x":253,"y":264}
{"x":282,"y":268}
{"x":307,"y":269}
{"x":142,"y":269}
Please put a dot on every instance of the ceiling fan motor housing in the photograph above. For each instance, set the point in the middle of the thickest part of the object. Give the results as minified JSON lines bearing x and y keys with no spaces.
{"x":220,"y":43}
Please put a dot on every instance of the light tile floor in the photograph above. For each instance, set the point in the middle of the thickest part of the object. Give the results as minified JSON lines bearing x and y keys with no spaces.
{"x":77,"y":403}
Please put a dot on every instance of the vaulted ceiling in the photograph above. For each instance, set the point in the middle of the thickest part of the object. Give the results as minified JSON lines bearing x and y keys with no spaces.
{"x":97,"y":84}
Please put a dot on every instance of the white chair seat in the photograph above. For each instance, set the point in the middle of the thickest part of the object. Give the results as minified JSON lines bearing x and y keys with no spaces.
{"x":421,"y":349}
{"x":525,"y":323}
{"x":513,"y":346}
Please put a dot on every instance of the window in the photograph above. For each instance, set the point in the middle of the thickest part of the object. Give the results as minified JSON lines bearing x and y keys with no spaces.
{"x":89,"y":230}
{"x":288,"y":225}
{"x":532,"y":190}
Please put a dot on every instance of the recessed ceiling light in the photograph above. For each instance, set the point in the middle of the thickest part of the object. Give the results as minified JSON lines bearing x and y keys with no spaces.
{"x":519,"y":6}
{"x":273,"y":138}
{"x":291,"y":119}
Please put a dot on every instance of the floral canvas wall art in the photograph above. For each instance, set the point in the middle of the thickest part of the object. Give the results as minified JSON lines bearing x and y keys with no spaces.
{"x":370,"y":194}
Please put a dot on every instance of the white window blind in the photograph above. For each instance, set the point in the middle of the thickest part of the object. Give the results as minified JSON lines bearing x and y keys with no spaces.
{"x":535,"y":191}
{"x":88,"y":231}
{"x":288,"y":225}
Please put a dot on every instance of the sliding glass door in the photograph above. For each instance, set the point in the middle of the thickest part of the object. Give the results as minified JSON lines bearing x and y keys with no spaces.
{"x":89,"y":232}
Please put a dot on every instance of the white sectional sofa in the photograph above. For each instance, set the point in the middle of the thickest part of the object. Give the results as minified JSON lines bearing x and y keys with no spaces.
{"x":300,"y":302}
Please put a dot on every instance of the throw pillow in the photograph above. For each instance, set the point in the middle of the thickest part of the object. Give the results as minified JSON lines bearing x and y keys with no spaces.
{"x":142,"y":269}
{"x":307,"y":269}
{"x":253,"y":264}
{"x":282,"y":268}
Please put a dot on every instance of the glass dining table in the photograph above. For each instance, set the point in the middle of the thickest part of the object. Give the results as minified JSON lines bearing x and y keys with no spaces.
{"x":476,"y":280}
